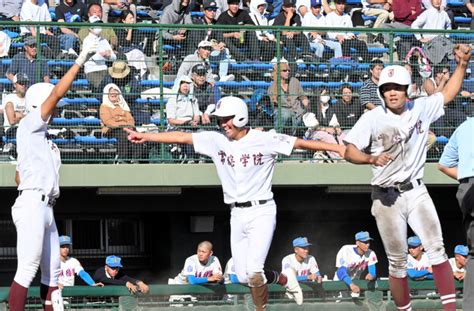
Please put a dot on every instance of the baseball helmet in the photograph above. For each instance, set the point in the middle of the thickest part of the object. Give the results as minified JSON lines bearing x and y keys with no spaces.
{"x":232,"y":106}
{"x":393,"y":74}
{"x":37,"y":94}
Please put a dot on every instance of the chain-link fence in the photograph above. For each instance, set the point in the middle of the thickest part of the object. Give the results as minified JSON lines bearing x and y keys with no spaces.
{"x":303,"y":81}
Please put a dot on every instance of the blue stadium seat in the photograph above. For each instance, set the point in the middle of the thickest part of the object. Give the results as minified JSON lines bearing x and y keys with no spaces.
{"x":6,"y":62}
{"x":77,"y":121}
{"x":442,"y":140}
{"x":150,"y":101}
{"x":82,"y":101}
{"x":156,"y":83}
{"x":454,"y":3}
{"x":462,"y":19}
{"x":78,"y":82}
{"x":65,"y":63}
{"x":94,"y":140}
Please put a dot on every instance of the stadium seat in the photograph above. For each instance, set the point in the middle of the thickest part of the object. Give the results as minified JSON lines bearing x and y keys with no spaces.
{"x":442,"y":140}
{"x":92,"y":140}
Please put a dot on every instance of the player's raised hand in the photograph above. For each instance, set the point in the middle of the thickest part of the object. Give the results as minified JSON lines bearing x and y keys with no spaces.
{"x":86,"y":53}
{"x":381,"y":160}
{"x":462,"y":52}
{"x":135,"y":137}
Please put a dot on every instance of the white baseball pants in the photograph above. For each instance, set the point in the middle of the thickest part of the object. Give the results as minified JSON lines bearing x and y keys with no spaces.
{"x":393,"y":211}
{"x":251,"y":234}
{"x":37,"y":239}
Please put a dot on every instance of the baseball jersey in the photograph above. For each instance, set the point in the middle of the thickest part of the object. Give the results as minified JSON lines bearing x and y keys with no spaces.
{"x":69,"y":268}
{"x":18,"y":106}
{"x":403,"y":137}
{"x":418,"y":265}
{"x":452,"y":262}
{"x":38,"y":157}
{"x":355,"y":263}
{"x":192,"y":266}
{"x":245,"y":166}
{"x":305,"y":268}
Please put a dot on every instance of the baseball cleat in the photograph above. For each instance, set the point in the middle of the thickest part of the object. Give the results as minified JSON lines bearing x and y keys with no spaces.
{"x":293,"y":289}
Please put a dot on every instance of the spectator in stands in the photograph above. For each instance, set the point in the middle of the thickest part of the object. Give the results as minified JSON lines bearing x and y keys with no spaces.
{"x":37,"y":11}
{"x":239,"y":39}
{"x":427,"y":4}
{"x":348,"y":109}
{"x":107,"y":33}
{"x":200,"y":268}
{"x":126,"y":5}
{"x":205,"y":93}
{"x":71,"y":266}
{"x":201,"y":56}
{"x":470,"y":6}
{"x":130,"y":43}
{"x":229,"y":273}
{"x":382,"y":9}
{"x":266,"y":38}
{"x":14,"y":108}
{"x":432,"y":18}
{"x":70,"y":11}
{"x":353,"y":261}
{"x":317,"y":41}
{"x":111,"y":274}
{"x":458,"y":262}
{"x":96,"y":68}
{"x":414,"y":90}
{"x":290,"y":96}
{"x":293,"y":39}
{"x":27,"y":63}
{"x":348,"y":40}
{"x":178,"y":12}
{"x":10,"y":10}
{"x":114,"y":115}
{"x":418,"y":264}
{"x":438,"y":81}
{"x":302,"y":262}
{"x":368,"y":92}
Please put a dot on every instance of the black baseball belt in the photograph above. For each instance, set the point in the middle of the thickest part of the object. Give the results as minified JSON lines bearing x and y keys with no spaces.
{"x":467,"y":180}
{"x":247,"y":204}
{"x":401,"y":187}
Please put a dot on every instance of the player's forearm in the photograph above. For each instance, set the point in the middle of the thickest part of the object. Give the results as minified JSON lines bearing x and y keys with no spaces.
{"x":356,"y":156}
{"x":169,"y":138}
{"x":316,"y":145}
{"x":453,"y":86}
{"x":449,"y":171}
{"x":86,"y":278}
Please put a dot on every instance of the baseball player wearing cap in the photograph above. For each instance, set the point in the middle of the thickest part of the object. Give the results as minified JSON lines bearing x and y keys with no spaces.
{"x":200,"y":268}
{"x":354,"y":260}
{"x":392,"y":138}
{"x":71,"y":266}
{"x":112,"y":274}
{"x":458,"y":262}
{"x":304,"y":264}
{"x":245,"y":160}
{"x":457,"y":162}
{"x":418,"y":264}
{"x":37,"y":176}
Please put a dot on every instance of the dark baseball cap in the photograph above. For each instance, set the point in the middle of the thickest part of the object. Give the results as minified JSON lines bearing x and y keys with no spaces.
{"x":340,"y":1}
{"x":199,"y":69}
{"x":233,"y":1}
{"x":206,"y":4}
{"x":289,"y":3}
{"x":30,"y":41}
{"x":21,"y":78}
{"x":316,"y":3}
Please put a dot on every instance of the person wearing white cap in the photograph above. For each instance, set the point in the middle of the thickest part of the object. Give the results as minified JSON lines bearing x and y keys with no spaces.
{"x":201,"y":56}
{"x":37,"y":176}
{"x":392,"y":139}
{"x":245,"y":160}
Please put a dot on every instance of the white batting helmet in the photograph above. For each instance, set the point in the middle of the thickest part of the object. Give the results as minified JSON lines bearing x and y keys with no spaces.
{"x":393,"y":74}
{"x":37,"y":94}
{"x":232,"y":106}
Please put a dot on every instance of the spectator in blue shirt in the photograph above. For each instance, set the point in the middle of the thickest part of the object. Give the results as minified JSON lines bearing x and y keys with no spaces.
{"x":27,"y":63}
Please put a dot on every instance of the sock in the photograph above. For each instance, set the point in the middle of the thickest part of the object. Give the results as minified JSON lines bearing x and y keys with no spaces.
{"x":260,"y":297}
{"x":400,"y":293}
{"x":17,"y":297}
{"x":272,"y":276}
{"x":444,"y":281}
{"x":45,"y":294}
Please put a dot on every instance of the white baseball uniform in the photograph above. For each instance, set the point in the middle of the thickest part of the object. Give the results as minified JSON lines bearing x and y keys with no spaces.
{"x":69,"y":269}
{"x":192,"y":266}
{"x":245,"y":168}
{"x":355,"y":263}
{"x":419,"y":265}
{"x":229,"y":271}
{"x":37,"y":237}
{"x":452,"y":262}
{"x":404,"y":138}
{"x":305,"y":268}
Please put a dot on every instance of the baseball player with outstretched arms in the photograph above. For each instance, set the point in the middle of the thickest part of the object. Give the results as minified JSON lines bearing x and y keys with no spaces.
{"x":418,"y":264}
{"x":392,"y":138}
{"x":71,"y":266}
{"x":245,"y":159}
{"x":37,"y":176}
{"x":304,"y":264}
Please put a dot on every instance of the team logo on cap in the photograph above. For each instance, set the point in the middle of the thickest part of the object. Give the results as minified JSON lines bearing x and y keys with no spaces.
{"x":391,"y":72}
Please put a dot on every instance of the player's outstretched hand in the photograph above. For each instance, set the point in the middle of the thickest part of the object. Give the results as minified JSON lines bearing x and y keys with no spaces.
{"x":135,"y":137}
{"x":86,"y":53}
{"x":462,"y":52}
{"x":99,"y":284}
{"x":381,"y":160}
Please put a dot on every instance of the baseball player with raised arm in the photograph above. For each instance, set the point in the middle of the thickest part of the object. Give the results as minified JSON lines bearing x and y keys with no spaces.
{"x":304,"y":264}
{"x":245,"y":159}
{"x":201,"y":267}
{"x":392,"y":138}
{"x":71,"y":266}
{"x":352,"y":261}
{"x":37,"y":176}
{"x":418,"y":264}
{"x":457,"y":162}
